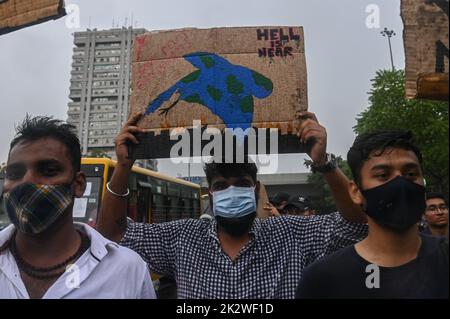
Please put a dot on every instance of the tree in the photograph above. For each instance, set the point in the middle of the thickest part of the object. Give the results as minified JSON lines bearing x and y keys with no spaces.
{"x":389,"y":109}
{"x":324,"y":203}
{"x":98,"y":153}
{"x":427,"y":120}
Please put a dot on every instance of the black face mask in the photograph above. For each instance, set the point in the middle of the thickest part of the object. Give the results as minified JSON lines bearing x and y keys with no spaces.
{"x":236,"y":227}
{"x":397,"y":204}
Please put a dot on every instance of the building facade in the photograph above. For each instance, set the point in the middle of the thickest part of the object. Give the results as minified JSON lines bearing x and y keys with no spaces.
{"x":100,"y":88}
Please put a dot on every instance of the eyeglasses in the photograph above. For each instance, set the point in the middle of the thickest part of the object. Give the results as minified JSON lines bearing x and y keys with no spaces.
{"x":436,"y":208}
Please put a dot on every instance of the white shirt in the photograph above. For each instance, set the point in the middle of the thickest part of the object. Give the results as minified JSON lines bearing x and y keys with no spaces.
{"x":105,"y":271}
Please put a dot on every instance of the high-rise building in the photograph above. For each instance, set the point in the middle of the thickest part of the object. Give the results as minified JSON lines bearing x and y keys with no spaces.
{"x":100,"y":87}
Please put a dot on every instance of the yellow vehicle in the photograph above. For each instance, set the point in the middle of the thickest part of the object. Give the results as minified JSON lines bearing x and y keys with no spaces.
{"x":154,"y":197}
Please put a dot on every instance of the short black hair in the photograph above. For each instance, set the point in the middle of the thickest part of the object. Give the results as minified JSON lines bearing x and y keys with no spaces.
{"x":375,"y":143}
{"x":214,"y":169}
{"x":35,"y":128}
{"x":431,"y":195}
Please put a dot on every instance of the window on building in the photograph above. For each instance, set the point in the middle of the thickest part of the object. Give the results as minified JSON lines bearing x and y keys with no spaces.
{"x":104,"y":91}
{"x":104,"y":99}
{"x":107,"y":67}
{"x":74,"y":109}
{"x":79,"y":53}
{"x":106,"y":75}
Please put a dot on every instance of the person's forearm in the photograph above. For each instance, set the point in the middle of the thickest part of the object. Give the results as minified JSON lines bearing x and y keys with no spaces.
{"x":339,"y":183}
{"x":112,"y":221}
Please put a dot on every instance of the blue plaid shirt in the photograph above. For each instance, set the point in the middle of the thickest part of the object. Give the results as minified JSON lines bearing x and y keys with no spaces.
{"x":269,"y":266}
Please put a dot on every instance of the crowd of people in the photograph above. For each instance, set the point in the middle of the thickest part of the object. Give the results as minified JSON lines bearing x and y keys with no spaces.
{"x":372,"y":247}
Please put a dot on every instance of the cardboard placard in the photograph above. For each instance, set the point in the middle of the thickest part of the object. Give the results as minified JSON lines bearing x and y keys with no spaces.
{"x":227,"y":78}
{"x":427,"y":48}
{"x":18,"y":14}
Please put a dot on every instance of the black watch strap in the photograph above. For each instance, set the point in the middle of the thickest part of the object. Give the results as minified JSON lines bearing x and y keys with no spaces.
{"x":329,"y":166}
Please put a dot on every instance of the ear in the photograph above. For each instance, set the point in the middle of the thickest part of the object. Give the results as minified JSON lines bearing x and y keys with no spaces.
{"x":79,"y":184}
{"x":257,"y":188}
{"x":355,"y":194}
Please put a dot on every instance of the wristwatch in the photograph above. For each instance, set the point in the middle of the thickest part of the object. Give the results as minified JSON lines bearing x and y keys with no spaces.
{"x":330,"y":165}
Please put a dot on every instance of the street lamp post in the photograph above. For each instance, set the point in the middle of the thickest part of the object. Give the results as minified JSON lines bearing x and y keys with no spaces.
{"x":389,"y":34}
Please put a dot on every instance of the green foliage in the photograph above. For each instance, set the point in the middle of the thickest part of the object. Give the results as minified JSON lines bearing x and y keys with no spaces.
{"x":324,"y":202}
{"x":427,"y":120}
{"x":388,"y":109}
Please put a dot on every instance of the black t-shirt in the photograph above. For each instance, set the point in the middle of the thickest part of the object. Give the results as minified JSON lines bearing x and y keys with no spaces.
{"x":343,"y":275}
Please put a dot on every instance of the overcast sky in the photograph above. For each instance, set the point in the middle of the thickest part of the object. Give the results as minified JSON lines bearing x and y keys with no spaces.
{"x":342,"y":55}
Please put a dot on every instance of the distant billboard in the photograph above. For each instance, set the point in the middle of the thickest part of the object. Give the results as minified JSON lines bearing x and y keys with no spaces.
{"x":194,"y":179}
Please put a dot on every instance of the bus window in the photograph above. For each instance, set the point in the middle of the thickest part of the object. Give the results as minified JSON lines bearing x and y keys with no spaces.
{"x":196,"y":204}
{"x":165,"y":199}
{"x":187,"y":202}
{"x":181,"y":208}
{"x":187,"y":211}
{"x":86,"y":208}
{"x":174,"y":201}
{"x":133,"y":205}
{"x":171,"y":208}
{"x":205,"y":201}
{"x":159,"y":208}
{"x":144,"y":202}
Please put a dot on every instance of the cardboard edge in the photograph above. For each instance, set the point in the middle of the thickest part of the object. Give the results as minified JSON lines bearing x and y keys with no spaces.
{"x":60,"y":13}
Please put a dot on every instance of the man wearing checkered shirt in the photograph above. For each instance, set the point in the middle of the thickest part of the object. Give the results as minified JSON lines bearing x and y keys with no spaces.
{"x":236,"y":256}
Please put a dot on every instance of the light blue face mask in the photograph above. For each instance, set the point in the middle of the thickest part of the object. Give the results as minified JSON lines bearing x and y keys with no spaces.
{"x":234,"y":202}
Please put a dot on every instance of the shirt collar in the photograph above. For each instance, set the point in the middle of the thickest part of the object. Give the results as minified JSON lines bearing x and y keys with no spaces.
{"x":99,"y":244}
